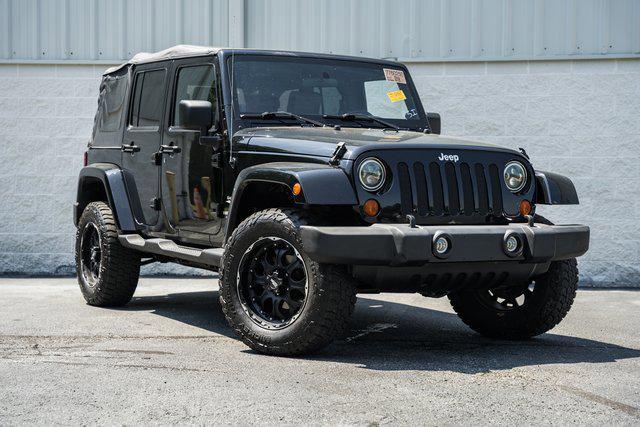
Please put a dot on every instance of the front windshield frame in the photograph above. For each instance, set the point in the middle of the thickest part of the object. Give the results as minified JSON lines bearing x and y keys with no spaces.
{"x":418,"y":124}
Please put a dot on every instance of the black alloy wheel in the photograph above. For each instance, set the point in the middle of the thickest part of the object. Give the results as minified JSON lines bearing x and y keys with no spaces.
{"x":107,"y":272}
{"x":506,"y":298}
{"x":91,"y":254}
{"x":272,"y":283}
{"x":520,"y":312}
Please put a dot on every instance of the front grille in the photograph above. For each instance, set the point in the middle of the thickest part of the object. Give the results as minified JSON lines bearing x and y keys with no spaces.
{"x":449,"y":189}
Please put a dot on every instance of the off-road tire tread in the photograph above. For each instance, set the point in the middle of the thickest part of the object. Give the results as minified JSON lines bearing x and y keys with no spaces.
{"x":120,"y":266}
{"x":559,"y":286}
{"x":332,"y":317}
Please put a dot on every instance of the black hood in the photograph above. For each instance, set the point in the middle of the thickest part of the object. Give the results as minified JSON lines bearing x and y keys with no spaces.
{"x":321,"y":142}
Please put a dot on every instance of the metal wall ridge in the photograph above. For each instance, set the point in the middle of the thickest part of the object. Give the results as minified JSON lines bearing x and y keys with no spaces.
{"x":411,"y":30}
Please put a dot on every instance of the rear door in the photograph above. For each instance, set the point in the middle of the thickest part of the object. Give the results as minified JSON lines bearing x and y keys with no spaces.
{"x":191,"y":186}
{"x":143,"y":135}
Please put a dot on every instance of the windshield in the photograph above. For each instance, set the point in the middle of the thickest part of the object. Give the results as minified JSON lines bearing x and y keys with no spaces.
{"x":323,"y":89}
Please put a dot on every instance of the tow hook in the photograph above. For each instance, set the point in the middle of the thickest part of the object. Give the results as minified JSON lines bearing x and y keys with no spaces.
{"x":412,"y":221}
{"x":529,"y":219}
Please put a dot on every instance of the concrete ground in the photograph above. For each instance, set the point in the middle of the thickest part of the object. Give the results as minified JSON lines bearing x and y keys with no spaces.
{"x":169,"y":357}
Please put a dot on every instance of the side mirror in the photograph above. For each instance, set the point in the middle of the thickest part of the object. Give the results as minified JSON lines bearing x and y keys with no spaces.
{"x":196,"y":115}
{"x":434,"y":122}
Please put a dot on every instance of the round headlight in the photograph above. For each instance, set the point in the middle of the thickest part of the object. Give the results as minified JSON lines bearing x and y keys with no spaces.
{"x":515,"y":176}
{"x":372,"y":174}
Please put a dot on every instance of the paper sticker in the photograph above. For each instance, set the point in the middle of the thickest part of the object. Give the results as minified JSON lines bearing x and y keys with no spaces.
{"x":396,"y":95}
{"x":394,"y":75}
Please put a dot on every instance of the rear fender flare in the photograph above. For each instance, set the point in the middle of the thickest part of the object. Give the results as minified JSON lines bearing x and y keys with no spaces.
{"x":119,"y":189}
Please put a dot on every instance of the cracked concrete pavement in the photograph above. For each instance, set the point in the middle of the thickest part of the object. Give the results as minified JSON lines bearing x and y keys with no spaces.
{"x":169,"y":357}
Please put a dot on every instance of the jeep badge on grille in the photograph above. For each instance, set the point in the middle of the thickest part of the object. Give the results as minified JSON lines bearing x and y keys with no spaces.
{"x":448,"y":157}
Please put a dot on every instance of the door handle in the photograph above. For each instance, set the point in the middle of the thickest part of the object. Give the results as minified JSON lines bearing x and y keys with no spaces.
{"x":131,"y":148}
{"x":170,"y":149}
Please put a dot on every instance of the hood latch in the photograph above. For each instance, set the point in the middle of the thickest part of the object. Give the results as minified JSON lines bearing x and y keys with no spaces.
{"x":341,"y":148}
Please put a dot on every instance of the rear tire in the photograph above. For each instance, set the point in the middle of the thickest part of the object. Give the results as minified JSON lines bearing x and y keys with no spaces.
{"x":497,"y":313}
{"x":107,"y":272}
{"x":274,"y":311}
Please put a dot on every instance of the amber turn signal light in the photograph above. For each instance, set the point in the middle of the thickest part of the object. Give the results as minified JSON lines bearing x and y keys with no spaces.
{"x":371,"y":207}
{"x":525,"y":207}
{"x":297,"y":189}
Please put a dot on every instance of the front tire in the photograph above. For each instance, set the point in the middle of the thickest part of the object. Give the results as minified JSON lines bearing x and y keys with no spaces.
{"x":520,"y":312}
{"x":277,"y":299}
{"x":107,"y":272}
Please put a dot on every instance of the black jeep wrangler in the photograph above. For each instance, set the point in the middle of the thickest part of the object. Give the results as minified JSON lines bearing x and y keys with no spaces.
{"x":305,"y":179}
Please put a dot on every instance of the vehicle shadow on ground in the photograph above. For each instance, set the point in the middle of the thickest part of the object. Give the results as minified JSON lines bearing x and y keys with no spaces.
{"x":393,"y":336}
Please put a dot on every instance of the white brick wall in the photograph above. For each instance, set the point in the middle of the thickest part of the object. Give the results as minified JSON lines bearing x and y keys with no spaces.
{"x":580,"y":118}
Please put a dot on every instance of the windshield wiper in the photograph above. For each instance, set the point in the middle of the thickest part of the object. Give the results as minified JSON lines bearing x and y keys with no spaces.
{"x":278,"y":115}
{"x":350,"y":117}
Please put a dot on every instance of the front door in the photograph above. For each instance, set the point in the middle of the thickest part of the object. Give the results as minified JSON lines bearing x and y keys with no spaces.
{"x":191,"y":185}
{"x":143,"y":135}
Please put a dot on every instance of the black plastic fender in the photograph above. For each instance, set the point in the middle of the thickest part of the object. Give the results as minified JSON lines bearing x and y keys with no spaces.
{"x":321,"y":184}
{"x":106,"y":180}
{"x":555,"y":189}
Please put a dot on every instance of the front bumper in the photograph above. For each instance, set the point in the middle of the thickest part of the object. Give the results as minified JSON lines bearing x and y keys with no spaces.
{"x":400,"y":244}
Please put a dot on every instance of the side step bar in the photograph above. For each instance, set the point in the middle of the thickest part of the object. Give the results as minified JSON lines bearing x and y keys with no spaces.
{"x":171,"y":249}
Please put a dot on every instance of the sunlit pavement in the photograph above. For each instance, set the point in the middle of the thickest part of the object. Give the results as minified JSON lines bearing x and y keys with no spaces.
{"x":169,"y":357}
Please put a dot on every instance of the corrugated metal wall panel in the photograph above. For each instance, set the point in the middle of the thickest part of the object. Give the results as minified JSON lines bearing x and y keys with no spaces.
{"x":406,"y":29}
{"x":53,"y":30}
{"x":447,"y":29}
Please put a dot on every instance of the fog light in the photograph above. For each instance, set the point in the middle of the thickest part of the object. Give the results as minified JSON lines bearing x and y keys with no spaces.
{"x":441,"y":245}
{"x":512,"y":244}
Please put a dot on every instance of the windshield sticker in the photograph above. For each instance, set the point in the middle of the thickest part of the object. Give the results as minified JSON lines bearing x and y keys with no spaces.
{"x":411,"y":114}
{"x":396,"y":95}
{"x":394,"y":76}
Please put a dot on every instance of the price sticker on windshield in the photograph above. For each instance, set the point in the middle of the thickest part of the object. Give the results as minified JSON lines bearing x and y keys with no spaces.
{"x":396,"y":96}
{"x":394,"y":76}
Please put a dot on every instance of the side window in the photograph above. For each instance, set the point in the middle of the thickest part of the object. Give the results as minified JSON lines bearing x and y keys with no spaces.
{"x":195,"y":83}
{"x":111,"y":102}
{"x":147,"y":98}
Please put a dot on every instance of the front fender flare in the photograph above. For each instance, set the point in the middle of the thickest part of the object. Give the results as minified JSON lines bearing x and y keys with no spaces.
{"x":118,"y":185}
{"x":321,"y":184}
{"x":555,"y":189}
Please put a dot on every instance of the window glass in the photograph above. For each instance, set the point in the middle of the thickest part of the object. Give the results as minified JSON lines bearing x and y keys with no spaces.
{"x":147,"y":100}
{"x":111,"y":101}
{"x":195,"y":83}
{"x":385,"y":99}
{"x":315,"y":87}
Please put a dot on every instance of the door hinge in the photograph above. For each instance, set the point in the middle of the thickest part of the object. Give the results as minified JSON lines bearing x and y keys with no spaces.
{"x":216,"y":160}
{"x":156,"y":203}
{"x":157,"y":158}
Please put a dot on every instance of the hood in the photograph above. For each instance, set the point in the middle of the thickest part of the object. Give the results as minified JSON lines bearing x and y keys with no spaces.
{"x":321,"y":142}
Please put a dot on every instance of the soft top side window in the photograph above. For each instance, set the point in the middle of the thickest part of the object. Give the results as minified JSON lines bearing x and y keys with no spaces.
{"x":195,"y":82}
{"x":111,"y":102}
{"x":146,"y":110}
